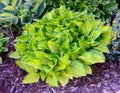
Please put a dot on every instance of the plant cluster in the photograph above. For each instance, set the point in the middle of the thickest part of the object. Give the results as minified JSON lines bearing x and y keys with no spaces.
{"x":61,"y":46}
{"x":19,"y":12}
{"x":102,"y":9}
{"x":3,"y":42}
{"x":115,"y":43}
{"x":116,"y":34}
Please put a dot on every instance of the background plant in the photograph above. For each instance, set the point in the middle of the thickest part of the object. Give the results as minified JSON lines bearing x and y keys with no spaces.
{"x":115,"y":43}
{"x":16,"y":13}
{"x":61,"y":46}
{"x":102,"y":9}
{"x":3,"y":43}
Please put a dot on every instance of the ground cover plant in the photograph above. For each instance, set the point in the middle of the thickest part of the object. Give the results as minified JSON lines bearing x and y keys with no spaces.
{"x":102,"y":9}
{"x":116,"y":33}
{"x":3,"y":43}
{"x":61,"y":46}
{"x":15,"y":13}
{"x":115,"y":43}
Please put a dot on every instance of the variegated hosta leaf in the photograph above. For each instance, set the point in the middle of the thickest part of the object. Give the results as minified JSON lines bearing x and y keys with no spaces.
{"x":31,"y":78}
{"x":8,"y":18}
{"x":20,"y":10}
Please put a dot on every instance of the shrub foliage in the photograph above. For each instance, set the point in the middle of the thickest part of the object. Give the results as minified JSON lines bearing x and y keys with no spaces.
{"x":15,"y":13}
{"x":24,"y":10}
{"x":115,"y":43}
{"x":60,"y":46}
{"x":102,"y":9}
{"x":3,"y":42}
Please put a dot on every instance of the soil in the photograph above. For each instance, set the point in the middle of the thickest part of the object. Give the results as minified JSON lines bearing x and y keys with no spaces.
{"x":105,"y":79}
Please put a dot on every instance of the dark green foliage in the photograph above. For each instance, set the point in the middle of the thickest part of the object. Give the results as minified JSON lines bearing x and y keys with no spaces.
{"x":102,"y":9}
{"x":62,"y":45}
{"x":3,"y":42}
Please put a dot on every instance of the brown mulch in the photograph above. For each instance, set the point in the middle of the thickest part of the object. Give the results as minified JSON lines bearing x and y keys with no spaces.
{"x":105,"y":79}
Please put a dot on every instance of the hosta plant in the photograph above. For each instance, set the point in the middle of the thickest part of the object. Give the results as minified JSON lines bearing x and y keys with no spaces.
{"x":3,"y":42}
{"x":100,"y":8}
{"x":19,"y":12}
{"x":61,"y":46}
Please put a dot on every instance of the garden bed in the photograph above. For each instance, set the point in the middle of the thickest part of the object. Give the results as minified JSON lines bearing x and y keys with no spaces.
{"x":105,"y":79}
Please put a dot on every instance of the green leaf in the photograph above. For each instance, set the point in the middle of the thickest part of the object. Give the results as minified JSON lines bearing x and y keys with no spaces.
{"x":64,"y":62}
{"x":62,"y":10}
{"x":78,"y":69}
{"x":35,"y":63}
{"x":26,"y":67}
{"x":26,"y":18}
{"x":68,"y":72}
{"x":10,"y":9}
{"x":52,"y":63}
{"x":95,"y":24}
{"x":102,"y":48}
{"x":44,"y":57}
{"x":54,"y":47}
{"x":111,"y":6}
{"x":94,"y":35}
{"x":46,"y":68}
{"x":63,"y":79}
{"x":88,"y":69}
{"x":16,"y":3}
{"x":2,"y":5}
{"x":106,"y":35}
{"x":40,"y":8}
{"x":86,"y":28}
{"x":52,"y":79}
{"x":83,"y":44}
{"x":20,"y":46}
{"x":14,"y":55}
{"x":7,"y":17}
{"x":31,"y":78}
{"x":43,"y":75}
{"x":93,"y":56}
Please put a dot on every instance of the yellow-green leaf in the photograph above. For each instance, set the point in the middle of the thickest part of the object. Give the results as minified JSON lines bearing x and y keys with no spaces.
{"x":54,"y":47}
{"x":78,"y":69}
{"x":86,"y":28}
{"x":52,"y":79}
{"x":63,"y":79}
{"x":93,"y":56}
{"x":64,"y":62}
{"x":88,"y":69}
{"x":94,"y":35}
{"x":35,"y":63}
{"x":102,"y":48}
{"x":68,"y":72}
{"x":26,"y":67}
{"x":31,"y":78}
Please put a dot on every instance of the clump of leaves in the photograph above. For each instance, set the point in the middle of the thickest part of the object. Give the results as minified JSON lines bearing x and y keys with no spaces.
{"x":115,"y":43}
{"x":3,"y":42}
{"x":19,"y":12}
{"x":100,"y":8}
{"x":61,"y":46}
